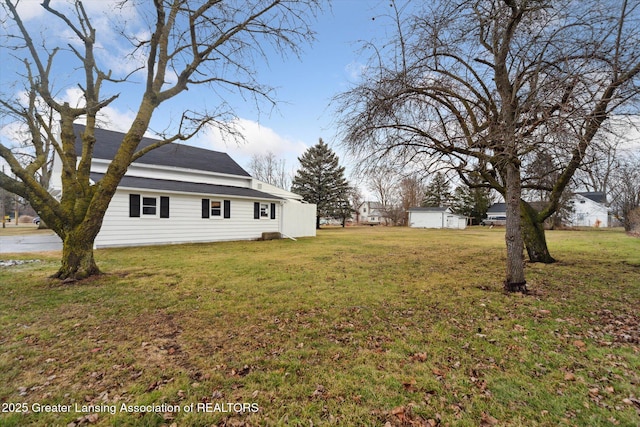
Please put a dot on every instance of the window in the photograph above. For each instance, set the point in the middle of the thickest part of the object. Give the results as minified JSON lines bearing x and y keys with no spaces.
{"x":212,"y":208}
{"x":264,"y":210}
{"x":147,"y":206}
{"x":216,"y":208}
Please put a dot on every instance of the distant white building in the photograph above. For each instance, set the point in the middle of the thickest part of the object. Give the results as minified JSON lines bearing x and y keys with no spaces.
{"x":589,"y":209}
{"x":371,"y":213}
{"x":436,"y":218}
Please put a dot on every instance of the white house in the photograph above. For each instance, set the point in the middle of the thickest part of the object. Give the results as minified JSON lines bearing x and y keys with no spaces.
{"x":436,"y":218}
{"x":180,"y":194}
{"x":589,"y":209}
{"x":371,"y":213}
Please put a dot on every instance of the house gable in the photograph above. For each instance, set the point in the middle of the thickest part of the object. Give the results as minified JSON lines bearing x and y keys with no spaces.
{"x":587,"y":211}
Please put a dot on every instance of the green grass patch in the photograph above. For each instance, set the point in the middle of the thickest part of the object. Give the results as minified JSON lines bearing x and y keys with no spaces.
{"x":360,"y":326}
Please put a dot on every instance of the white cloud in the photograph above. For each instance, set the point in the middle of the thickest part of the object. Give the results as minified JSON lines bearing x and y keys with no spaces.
{"x":258,"y":140}
{"x":108,"y":118}
{"x":355,"y":70}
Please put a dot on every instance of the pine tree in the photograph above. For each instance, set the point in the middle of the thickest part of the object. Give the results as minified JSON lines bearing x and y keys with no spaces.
{"x":471,"y":202}
{"x":437,"y":192}
{"x":321,"y":180}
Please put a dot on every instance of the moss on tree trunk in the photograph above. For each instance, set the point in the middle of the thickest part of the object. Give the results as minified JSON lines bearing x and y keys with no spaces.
{"x":77,"y":257}
{"x":533,"y":234}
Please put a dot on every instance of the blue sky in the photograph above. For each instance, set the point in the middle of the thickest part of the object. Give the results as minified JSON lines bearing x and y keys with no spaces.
{"x":304,"y":86}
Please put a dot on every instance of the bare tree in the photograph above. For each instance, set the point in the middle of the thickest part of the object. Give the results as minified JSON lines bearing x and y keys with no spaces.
{"x":625,"y":190}
{"x":268,"y":168}
{"x":356,"y":199}
{"x":383,"y":183}
{"x":480,"y":85}
{"x":211,"y":43}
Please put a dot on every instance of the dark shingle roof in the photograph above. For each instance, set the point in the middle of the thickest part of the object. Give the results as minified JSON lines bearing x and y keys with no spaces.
{"x":188,"y":187}
{"x":172,"y":155}
{"x":497,"y":207}
{"x":429,"y":209}
{"x":596,"y":196}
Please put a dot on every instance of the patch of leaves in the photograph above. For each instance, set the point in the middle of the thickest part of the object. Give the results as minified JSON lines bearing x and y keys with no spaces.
{"x":404,"y":416}
{"x":622,"y":327}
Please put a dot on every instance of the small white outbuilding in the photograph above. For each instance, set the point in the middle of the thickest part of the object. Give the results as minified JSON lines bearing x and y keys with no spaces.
{"x":436,"y":218}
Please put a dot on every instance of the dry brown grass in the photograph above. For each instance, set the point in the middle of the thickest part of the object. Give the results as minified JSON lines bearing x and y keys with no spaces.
{"x":355,"y":327}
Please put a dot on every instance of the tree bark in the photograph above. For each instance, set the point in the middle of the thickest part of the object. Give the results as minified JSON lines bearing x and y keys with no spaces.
{"x":77,"y":256}
{"x":533,"y":234}
{"x":515,"y":280}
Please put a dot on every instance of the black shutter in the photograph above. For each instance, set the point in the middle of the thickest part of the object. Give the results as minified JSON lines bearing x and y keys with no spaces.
{"x":227,"y":208}
{"x":164,"y":207}
{"x":134,"y":205}
{"x":256,"y":210}
{"x":205,"y":208}
{"x":273,"y":211}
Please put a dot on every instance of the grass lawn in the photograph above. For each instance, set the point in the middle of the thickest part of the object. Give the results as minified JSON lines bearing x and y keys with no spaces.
{"x":10,"y":229}
{"x":362,"y":326}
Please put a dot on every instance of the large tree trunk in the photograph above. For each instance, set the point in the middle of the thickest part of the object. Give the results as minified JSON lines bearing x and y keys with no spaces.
{"x":77,"y":256}
{"x":534,"y":236}
{"x":515,"y":280}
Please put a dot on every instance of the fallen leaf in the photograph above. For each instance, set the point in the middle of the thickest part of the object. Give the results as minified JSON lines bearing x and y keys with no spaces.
{"x":419,"y":357}
{"x":580,"y":345}
{"x":569,"y":376}
{"x":318,"y":392}
{"x":487,"y":420}
{"x":399,"y":412}
{"x":410,"y":385}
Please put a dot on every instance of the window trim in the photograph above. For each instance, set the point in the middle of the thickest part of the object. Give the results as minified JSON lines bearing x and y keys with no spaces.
{"x":264,"y":211}
{"x":137,"y":206}
{"x":144,"y":204}
{"x":207,"y":209}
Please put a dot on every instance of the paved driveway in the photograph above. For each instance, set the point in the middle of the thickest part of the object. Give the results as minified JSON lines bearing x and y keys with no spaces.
{"x":30,"y":243}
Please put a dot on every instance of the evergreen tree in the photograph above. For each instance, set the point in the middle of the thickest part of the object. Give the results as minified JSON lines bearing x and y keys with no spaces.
{"x":321,"y":180}
{"x":438,"y":192}
{"x":471,"y":202}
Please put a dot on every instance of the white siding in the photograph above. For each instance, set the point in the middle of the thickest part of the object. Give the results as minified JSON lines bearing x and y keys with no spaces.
{"x":298,"y":219}
{"x":426,"y":219}
{"x":588,"y":213}
{"x":177,"y":174}
{"x":185,"y":223}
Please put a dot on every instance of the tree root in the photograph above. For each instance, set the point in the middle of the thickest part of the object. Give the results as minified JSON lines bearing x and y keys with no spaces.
{"x":516,"y":287}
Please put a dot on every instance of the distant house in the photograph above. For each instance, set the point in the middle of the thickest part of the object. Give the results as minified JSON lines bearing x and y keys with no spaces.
{"x":436,"y":218}
{"x":497,"y":210}
{"x":371,"y":213}
{"x":179,"y":193}
{"x":589,"y":209}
